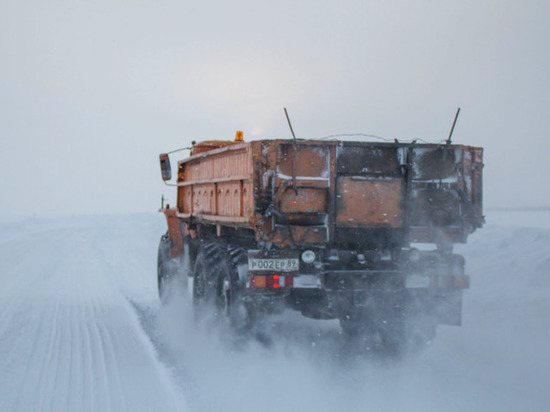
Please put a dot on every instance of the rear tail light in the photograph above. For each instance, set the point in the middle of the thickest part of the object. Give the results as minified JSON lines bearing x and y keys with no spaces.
{"x":270,"y":281}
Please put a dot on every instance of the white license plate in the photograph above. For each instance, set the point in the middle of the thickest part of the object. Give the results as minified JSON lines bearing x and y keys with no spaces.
{"x":280,"y":265}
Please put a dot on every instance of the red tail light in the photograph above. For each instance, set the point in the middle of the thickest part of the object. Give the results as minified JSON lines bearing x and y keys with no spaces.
{"x":270,"y":281}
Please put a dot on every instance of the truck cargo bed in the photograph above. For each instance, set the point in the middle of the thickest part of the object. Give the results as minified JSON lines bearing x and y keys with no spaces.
{"x":317,"y":192}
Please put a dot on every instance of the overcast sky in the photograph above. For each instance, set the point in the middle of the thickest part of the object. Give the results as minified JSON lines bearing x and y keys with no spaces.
{"x":92,"y":91}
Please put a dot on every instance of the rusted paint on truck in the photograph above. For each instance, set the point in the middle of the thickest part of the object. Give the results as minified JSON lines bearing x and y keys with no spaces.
{"x":431,"y":193}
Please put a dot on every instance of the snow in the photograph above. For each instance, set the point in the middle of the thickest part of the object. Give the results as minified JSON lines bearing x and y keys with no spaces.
{"x":69,"y":336}
{"x":81,"y":328}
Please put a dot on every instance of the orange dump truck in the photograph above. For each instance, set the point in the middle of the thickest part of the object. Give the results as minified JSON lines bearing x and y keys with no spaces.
{"x":333,"y":229}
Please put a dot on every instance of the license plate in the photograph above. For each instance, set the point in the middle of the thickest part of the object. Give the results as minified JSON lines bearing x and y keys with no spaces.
{"x":279,"y":265}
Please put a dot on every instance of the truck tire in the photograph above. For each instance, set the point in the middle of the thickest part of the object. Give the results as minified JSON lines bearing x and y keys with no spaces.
{"x":167,"y":269}
{"x":217,"y":291}
{"x":230,"y":305}
{"x":206,"y":272}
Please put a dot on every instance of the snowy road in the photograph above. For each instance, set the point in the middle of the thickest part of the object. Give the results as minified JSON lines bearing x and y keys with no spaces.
{"x":69,"y":338}
{"x":81,"y":329}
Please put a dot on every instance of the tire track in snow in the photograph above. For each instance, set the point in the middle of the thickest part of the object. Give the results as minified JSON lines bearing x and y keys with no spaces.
{"x":69,"y":339}
{"x":20,"y":308}
{"x":50,"y":351}
{"x":111,"y":365}
{"x":18,"y":278}
{"x":98,"y":366}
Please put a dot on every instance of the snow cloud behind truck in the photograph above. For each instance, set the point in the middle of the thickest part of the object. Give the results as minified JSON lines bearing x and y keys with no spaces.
{"x":328,"y":228}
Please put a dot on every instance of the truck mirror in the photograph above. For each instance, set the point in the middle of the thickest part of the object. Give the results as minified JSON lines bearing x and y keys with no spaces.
{"x":165,"y":167}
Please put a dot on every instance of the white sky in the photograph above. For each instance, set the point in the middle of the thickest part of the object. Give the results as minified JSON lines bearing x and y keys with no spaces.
{"x":92,"y":91}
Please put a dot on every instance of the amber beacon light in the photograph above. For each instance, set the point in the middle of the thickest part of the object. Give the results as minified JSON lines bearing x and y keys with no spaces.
{"x":239,"y":136}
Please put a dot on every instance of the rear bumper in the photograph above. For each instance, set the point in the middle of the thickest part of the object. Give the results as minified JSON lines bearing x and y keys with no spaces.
{"x":350,"y":280}
{"x":332,"y":294}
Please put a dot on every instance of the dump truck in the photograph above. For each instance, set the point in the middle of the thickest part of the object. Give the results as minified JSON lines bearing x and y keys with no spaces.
{"x":362,"y":232}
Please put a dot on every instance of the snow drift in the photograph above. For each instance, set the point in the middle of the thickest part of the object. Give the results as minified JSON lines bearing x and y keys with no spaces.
{"x":81,"y":328}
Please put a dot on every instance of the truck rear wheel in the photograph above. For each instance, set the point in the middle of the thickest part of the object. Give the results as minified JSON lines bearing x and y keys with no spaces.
{"x":217,"y":292}
{"x":205,"y":275}
{"x":230,"y":304}
{"x":167,"y":269}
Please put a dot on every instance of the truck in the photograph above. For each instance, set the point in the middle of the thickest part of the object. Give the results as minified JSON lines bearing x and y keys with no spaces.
{"x":361,"y":232}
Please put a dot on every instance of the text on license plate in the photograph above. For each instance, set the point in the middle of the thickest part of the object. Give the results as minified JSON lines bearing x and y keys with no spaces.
{"x":282,"y":265}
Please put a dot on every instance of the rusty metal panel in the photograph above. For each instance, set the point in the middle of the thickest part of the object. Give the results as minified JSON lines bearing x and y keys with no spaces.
{"x":229,"y":199}
{"x":435,"y":163}
{"x":217,"y":183}
{"x":209,"y":145}
{"x":475,"y":187}
{"x":361,"y":159}
{"x":247,"y":198}
{"x":303,"y":200}
{"x":185,"y":199}
{"x":313,"y":189}
{"x":204,"y":198}
{"x":434,"y":203}
{"x":174,"y":232}
{"x":369,"y":202}
{"x":444,"y":202}
{"x":308,"y":160}
{"x":301,"y":235}
{"x":432,"y":206}
{"x":231,"y":161}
